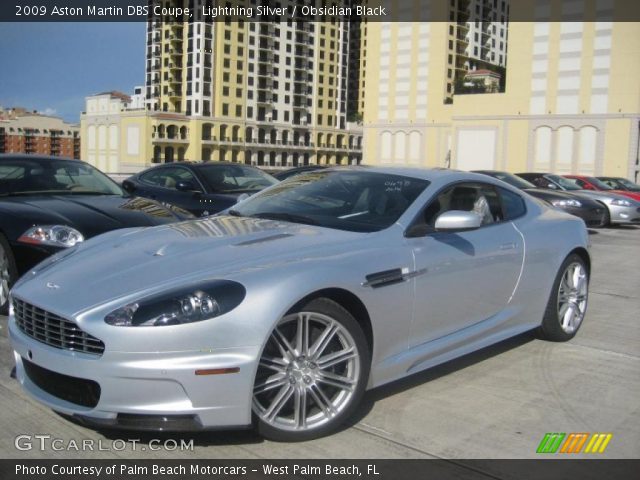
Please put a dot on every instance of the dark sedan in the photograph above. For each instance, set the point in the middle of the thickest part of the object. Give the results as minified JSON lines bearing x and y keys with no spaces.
{"x":592,"y":212}
{"x":202,"y":188}
{"x":48,"y":204}
{"x":619,"y":183}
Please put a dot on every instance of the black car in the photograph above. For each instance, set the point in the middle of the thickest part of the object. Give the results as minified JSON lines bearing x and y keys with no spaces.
{"x":592,"y":212}
{"x":284,"y":174}
{"x":202,"y":188}
{"x":619,"y":183}
{"x":48,"y":204}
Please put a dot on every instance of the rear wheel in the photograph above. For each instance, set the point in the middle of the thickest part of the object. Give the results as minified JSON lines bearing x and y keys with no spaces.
{"x":568,"y":302}
{"x":8,"y":274}
{"x":312,"y":373}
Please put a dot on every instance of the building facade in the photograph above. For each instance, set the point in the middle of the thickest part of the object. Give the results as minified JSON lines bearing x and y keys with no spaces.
{"x":32,"y":133}
{"x":571,"y":103}
{"x":270,"y":93}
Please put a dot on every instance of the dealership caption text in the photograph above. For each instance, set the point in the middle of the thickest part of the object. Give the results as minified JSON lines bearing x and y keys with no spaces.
{"x":179,"y":13}
{"x":194,"y":469}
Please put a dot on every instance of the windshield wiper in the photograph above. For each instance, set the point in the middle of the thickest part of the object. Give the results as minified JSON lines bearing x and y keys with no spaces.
{"x":287,"y":217}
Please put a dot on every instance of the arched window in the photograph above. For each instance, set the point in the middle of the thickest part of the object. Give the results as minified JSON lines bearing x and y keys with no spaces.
{"x":385,"y":146}
{"x":564,"y":150}
{"x":542,"y":154}
{"x":587,"y":150}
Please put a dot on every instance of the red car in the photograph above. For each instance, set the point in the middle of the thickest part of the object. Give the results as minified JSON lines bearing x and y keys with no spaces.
{"x":592,"y":183}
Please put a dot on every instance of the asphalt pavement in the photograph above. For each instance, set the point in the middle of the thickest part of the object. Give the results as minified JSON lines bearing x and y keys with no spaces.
{"x":496,"y":403}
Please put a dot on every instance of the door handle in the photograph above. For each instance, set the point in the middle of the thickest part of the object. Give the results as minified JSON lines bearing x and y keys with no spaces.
{"x":508,"y":246}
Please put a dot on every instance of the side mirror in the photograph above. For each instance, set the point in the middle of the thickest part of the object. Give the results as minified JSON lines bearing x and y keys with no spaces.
{"x":128,"y":186}
{"x":186,"y":186}
{"x":457,"y":221}
{"x":242,"y":198}
{"x":552,"y":186}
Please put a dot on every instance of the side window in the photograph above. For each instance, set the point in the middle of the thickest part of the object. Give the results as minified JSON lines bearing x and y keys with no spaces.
{"x":154,"y":177}
{"x":169,"y":177}
{"x":580,"y":183}
{"x":513,"y":205}
{"x":479,"y":198}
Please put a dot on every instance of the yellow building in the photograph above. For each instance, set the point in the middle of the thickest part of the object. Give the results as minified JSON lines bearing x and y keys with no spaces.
{"x":571,"y":103}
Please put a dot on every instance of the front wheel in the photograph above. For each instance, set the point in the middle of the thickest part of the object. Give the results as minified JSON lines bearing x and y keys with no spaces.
{"x":568,"y":301}
{"x":312,"y":373}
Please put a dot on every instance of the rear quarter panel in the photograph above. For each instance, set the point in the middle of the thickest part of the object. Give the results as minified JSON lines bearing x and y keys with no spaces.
{"x":550,"y":236}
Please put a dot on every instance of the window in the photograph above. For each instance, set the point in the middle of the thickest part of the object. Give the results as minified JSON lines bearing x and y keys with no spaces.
{"x":168,"y":177}
{"x":512,"y":204}
{"x":480,"y":198}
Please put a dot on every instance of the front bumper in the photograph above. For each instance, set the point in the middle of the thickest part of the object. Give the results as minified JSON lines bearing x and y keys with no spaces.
{"x":141,"y":391}
{"x":592,"y":217}
{"x":624,"y":215}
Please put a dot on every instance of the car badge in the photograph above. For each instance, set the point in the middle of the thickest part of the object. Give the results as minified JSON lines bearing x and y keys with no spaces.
{"x":53,"y":286}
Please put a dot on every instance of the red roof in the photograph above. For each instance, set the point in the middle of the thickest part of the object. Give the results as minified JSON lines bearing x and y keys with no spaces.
{"x":115,"y":94}
{"x":482,"y":72}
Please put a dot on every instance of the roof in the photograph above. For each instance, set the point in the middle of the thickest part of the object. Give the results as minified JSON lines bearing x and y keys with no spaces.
{"x":482,"y":73}
{"x":38,"y":158}
{"x":115,"y":94}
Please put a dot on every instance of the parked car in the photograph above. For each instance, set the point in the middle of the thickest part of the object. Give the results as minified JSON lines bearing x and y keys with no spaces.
{"x":202,"y":188}
{"x":286,"y":308}
{"x":284,"y":174}
{"x":620,"y":209}
{"x":620,"y":183}
{"x":48,"y":204}
{"x":590,"y":211}
{"x":592,"y":183}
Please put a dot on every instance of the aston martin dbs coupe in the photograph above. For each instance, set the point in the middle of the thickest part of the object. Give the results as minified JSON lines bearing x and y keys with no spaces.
{"x":282,"y":311}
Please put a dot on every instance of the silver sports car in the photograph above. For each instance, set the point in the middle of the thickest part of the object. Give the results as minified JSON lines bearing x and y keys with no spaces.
{"x":282,"y":311}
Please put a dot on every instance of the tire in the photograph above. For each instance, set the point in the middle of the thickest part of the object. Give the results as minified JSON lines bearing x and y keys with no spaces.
{"x":568,"y":301}
{"x":307,"y":389}
{"x":606,"y":220}
{"x":8,"y":273}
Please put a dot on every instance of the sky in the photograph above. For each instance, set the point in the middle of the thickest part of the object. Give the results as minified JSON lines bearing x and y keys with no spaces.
{"x":52,"y":67}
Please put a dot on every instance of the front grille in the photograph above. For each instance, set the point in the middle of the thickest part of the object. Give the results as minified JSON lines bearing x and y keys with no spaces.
{"x":71,"y":389}
{"x":49,"y":328}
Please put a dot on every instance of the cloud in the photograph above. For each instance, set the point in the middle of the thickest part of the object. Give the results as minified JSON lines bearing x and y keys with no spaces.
{"x":48,"y":111}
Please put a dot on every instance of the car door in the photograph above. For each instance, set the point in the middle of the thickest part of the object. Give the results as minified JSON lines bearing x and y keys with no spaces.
{"x":466,"y":277}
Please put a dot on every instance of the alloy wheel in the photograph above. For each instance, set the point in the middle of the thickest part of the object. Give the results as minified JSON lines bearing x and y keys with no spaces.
{"x":572,"y":297}
{"x":308,"y":373}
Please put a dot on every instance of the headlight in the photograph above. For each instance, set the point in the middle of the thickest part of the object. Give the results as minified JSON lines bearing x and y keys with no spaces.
{"x":54,"y":235}
{"x":186,"y":305}
{"x":619,"y":202}
{"x":566,"y":203}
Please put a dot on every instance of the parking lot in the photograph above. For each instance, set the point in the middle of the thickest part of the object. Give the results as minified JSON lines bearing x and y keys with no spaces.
{"x":496,"y":403}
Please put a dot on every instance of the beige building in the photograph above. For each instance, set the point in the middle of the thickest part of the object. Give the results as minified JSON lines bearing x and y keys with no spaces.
{"x":571,"y":104}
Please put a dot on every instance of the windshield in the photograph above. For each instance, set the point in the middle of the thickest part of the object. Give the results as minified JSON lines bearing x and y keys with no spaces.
{"x":512,"y":180}
{"x":565,"y":183}
{"x":235,"y":178}
{"x":598,"y":183}
{"x":342,"y":199}
{"x":628,"y":184}
{"x":51,"y":176}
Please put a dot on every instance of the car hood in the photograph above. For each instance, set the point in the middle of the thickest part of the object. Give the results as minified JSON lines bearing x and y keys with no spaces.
{"x":551,"y":195}
{"x":602,"y":196}
{"x":90,"y":214}
{"x":119,"y":264}
{"x":627,"y":193}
